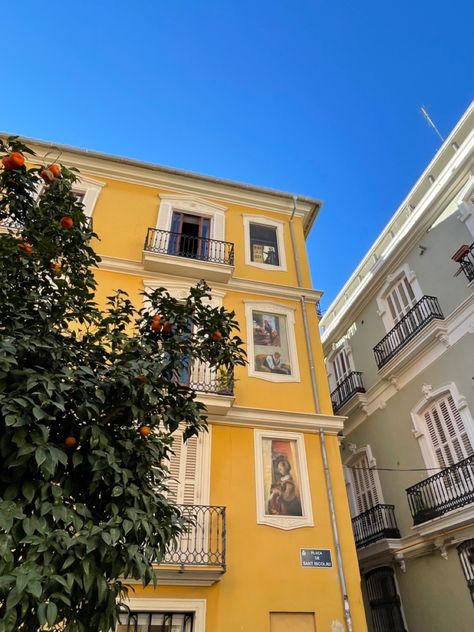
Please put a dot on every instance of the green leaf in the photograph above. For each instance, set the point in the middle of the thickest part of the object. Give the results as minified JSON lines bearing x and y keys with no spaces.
{"x":51,"y":613}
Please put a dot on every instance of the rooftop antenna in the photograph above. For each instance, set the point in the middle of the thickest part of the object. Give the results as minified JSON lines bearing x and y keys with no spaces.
{"x":424,"y":111}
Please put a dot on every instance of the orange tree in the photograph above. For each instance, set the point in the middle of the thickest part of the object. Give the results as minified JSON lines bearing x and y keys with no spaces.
{"x":89,"y":400}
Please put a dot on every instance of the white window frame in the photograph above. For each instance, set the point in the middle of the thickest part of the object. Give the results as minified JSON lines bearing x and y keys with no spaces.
{"x":465,"y":204}
{"x":89,"y":188}
{"x":420,"y":431}
{"x":193,"y":206}
{"x":355,"y":455}
{"x":330,"y":363}
{"x":282,"y":522}
{"x":150,"y":604}
{"x":390,"y":282}
{"x":279,"y":310}
{"x":272,"y":223}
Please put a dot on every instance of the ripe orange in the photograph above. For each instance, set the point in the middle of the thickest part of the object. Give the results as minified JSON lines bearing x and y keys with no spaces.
{"x":47,"y":175}
{"x":7,"y":163}
{"x":24,"y":246}
{"x":55,"y":267}
{"x":55,"y":169}
{"x":167,"y":327}
{"x":144,"y":430}
{"x":17,"y":159}
{"x":156,"y":323}
{"x":141,"y":378}
{"x":66,"y":222}
{"x":70,"y":442}
{"x":217,"y":335}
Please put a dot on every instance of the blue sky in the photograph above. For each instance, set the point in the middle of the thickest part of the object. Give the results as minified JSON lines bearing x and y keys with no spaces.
{"x":317,"y":98}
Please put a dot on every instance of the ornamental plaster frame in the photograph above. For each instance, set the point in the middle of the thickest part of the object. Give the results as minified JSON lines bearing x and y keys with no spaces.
{"x":150,"y":604}
{"x":282,"y":522}
{"x":420,"y":431}
{"x":465,"y":203}
{"x":355,"y":453}
{"x":391,"y":279}
{"x":272,"y":223}
{"x":194,"y":206}
{"x":279,"y":310}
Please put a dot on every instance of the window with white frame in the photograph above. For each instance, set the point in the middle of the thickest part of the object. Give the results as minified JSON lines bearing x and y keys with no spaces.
{"x":341,"y":366}
{"x":149,"y":614}
{"x":271,"y":342}
{"x":443,"y":426}
{"x":447,"y":433}
{"x":399,"y":294}
{"x":264,"y":247}
{"x":196,"y":218}
{"x":185,"y":465}
{"x":362,"y":481}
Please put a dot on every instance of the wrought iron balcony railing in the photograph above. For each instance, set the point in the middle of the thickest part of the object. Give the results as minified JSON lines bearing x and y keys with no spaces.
{"x":351,"y":385}
{"x":203,"y":543}
{"x":375,"y":524}
{"x":205,"y":379}
{"x":465,"y":257}
{"x":422,"y":313}
{"x":449,"y":489}
{"x":177,"y":244}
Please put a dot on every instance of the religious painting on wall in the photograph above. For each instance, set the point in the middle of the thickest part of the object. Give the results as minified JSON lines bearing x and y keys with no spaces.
{"x":283,"y":497}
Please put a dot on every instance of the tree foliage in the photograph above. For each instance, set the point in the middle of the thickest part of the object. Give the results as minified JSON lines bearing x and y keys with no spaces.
{"x":83,"y":503}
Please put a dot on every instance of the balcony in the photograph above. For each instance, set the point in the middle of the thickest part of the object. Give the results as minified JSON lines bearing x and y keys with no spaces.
{"x":351,"y":385}
{"x":465,"y":257}
{"x":200,"y":551}
{"x":377,"y":523}
{"x":214,"y":387}
{"x":450,"y":489}
{"x":417,"y":318}
{"x":177,"y":253}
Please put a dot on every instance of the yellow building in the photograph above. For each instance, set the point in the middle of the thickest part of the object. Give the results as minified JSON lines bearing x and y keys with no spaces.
{"x":272,"y":547}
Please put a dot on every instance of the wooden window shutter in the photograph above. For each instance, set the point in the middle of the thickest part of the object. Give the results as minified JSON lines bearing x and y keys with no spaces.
{"x":365,"y":488}
{"x":183,"y":467}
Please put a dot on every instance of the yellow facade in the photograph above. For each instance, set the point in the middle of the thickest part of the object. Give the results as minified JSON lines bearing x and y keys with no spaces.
{"x":263,"y":586}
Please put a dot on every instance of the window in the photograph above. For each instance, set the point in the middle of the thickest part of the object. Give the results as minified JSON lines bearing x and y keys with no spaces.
{"x":271,"y":341}
{"x":157,"y":622}
{"x":399,"y":294}
{"x":264,"y":246}
{"x":189,"y":236}
{"x":384,"y":601}
{"x":341,"y":366}
{"x":364,"y":487}
{"x":447,"y":433}
{"x":466,"y":557}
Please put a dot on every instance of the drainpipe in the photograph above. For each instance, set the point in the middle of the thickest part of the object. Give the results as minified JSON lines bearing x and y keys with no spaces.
{"x":322,"y":438}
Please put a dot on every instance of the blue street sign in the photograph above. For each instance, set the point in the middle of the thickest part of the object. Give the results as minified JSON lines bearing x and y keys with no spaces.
{"x":316,"y":558}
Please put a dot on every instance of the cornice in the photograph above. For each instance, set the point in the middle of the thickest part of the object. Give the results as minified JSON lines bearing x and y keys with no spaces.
{"x":279,"y":420}
{"x":135,"y":268}
{"x":179,"y":181}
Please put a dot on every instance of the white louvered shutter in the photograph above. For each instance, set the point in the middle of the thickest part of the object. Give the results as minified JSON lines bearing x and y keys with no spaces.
{"x":341,"y":366}
{"x":365,"y":489}
{"x":447,"y":433}
{"x":400,"y":299}
{"x":183,"y":469}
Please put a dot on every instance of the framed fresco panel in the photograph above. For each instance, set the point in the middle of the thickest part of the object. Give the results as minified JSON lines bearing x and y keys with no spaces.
{"x":283,"y":496}
{"x":271,"y":342}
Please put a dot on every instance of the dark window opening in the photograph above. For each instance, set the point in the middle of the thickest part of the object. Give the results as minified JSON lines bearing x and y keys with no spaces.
{"x":466,"y":557}
{"x":264,"y":245}
{"x":156,"y":622}
{"x":384,"y":601}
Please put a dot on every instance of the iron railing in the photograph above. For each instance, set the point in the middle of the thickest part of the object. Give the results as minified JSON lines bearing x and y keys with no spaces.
{"x":466,"y":261}
{"x":205,"y":379}
{"x":375,"y":524}
{"x":449,"y":489}
{"x":177,"y":244}
{"x":351,"y":385}
{"x":422,"y":313}
{"x":203,"y":542}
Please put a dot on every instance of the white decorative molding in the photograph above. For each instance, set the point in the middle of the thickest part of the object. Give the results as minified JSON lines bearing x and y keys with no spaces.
{"x":179,"y":289}
{"x":427,"y":389}
{"x":289,"y":315}
{"x":152,"y":603}
{"x":400,"y":560}
{"x":264,"y":221}
{"x":285,"y":522}
{"x":390,"y":281}
{"x":194,"y":206}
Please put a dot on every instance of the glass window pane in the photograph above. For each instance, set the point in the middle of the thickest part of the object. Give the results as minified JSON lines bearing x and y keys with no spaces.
{"x":264,"y":244}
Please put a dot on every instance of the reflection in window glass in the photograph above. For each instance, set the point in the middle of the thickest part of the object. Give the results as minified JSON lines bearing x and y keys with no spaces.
{"x":264,"y":244}
{"x":270,"y":340}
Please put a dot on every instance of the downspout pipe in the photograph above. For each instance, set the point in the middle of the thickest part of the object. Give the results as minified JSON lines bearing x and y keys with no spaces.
{"x":314,"y":385}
